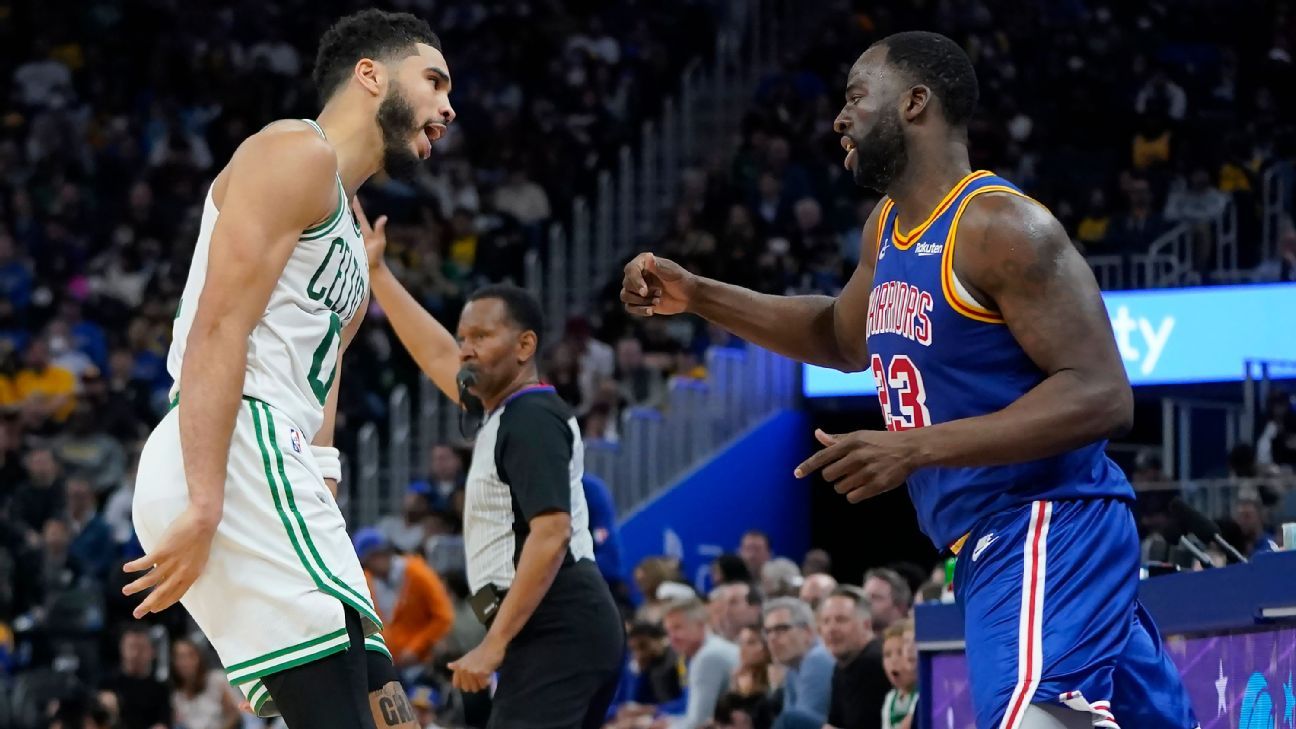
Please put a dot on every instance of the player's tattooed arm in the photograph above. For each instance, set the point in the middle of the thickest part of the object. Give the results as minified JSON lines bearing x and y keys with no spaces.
{"x":1017,"y":259}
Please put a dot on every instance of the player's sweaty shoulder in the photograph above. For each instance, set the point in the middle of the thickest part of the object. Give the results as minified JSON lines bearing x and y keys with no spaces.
{"x":1007,"y":239}
{"x":285,"y":166}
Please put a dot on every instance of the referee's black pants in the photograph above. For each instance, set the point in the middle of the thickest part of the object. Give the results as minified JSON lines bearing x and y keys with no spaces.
{"x":562,"y":670}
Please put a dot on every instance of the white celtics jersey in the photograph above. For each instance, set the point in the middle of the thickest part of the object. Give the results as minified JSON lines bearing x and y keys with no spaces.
{"x":292,"y":350}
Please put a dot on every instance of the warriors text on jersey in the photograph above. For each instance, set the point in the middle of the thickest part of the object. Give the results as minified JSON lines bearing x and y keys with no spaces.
{"x":938,"y":355}
{"x":292,"y":350}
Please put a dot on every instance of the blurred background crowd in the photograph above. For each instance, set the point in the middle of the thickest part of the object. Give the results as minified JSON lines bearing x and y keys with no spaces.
{"x":1123,"y":117}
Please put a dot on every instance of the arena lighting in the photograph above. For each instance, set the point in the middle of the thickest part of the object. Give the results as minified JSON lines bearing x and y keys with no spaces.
{"x":1166,"y":336}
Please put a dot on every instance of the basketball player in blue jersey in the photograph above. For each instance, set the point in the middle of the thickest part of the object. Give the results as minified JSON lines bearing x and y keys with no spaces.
{"x":1000,"y":381}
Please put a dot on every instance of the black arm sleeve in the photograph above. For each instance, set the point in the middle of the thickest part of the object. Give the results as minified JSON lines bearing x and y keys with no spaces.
{"x":533,"y":455}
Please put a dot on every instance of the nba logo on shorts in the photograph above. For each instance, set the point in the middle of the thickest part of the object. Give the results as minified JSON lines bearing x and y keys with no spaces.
{"x":295,"y":438}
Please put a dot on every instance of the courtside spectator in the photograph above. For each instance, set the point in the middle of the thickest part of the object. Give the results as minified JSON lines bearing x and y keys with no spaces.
{"x":889,"y":597}
{"x":707,"y":659}
{"x":859,"y":683}
{"x":794,"y":644}
{"x":410,"y":598}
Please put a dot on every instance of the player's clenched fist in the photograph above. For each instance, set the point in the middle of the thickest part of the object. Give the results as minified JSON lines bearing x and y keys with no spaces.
{"x":654,"y":285}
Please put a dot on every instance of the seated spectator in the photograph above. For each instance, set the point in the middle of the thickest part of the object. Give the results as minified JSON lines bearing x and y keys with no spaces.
{"x":83,"y":711}
{"x":898,"y":658}
{"x":816,"y":562}
{"x":88,"y":452}
{"x":410,"y":598}
{"x":815,"y":588}
{"x":655,"y":667}
{"x":144,"y":701}
{"x":780,"y":577}
{"x":752,"y":677}
{"x":794,"y":644}
{"x":408,"y":530}
{"x":649,"y":575}
{"x":595,"y":360}
{"x":47,"y":391}
{"x":1199,"y":205}
{"x":859,"y":683}
{"x":889,"y":597}
{"x":640,"y":385}
{"x":708,"y":661}
{"x":736,"y":606}
{"x":45,"y":569}
{"x":92,"y":543}
{"x":16,"y":281}
{"x":445,"y":473}
{"x":1094,"y":226}
{"x":1248,"y":513}
{"x":1134,"y":231}
{"x":755,"y":551}
{"x":735,"y":711}
{"x":10,"y":402}
{"x":729,"y":568}
{"x":1151,"y":146}
{"x":202,"y":697}
{"x":42,"y":495}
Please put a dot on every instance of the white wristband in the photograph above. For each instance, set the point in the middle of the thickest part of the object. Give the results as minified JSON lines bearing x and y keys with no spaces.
{"x":329,"y":460}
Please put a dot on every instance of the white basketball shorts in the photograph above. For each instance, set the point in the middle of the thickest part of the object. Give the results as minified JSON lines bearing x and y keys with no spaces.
{"x":281,"y":565}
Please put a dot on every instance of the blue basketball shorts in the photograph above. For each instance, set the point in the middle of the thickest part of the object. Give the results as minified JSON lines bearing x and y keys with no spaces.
{"x":1051,"y":615}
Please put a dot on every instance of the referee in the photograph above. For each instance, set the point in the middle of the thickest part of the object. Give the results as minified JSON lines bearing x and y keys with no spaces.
{"x":554,"y":639}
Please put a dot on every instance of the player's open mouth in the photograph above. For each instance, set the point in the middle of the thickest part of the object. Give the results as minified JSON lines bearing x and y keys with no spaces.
{"x":431,"y":132}
{"x":849,"y":146}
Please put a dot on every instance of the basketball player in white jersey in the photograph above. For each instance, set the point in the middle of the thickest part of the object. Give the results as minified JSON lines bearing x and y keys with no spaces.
{"x":233,"y":504}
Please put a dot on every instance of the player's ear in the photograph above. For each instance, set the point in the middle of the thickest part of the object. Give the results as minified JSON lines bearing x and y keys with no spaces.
{"x":370,"y":75}
{"x":526,"y":346}
{"x":913,"y":101}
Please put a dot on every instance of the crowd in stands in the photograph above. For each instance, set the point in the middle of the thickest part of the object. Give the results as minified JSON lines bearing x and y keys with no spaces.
{"x":772,"y":644}
{"x":1122,"y":117}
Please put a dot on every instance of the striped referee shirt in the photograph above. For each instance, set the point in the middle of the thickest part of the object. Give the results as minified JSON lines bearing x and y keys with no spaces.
{"x":528,"y":460}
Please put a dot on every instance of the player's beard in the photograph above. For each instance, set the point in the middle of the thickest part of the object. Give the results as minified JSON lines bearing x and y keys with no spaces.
{"x":397,"y":125}
{"x":880,"y":157}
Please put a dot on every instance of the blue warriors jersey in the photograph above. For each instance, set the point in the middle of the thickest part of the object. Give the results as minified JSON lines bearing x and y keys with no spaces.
{"x":938,"y":355}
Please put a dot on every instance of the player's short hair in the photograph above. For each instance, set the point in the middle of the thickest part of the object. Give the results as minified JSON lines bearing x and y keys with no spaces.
{"x":371,"y":33}
{"x":940,"y":64}
{"x":758,"y":534}
{"x":522,"y":306}
{"x":901,"y":593}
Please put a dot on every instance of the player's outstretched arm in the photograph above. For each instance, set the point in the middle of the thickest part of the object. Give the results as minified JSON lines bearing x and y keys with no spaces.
{"x":432,"y":347}
{"x":1023,"y":262}
{"x":277,"y":184}
{"x":819,"y":330}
